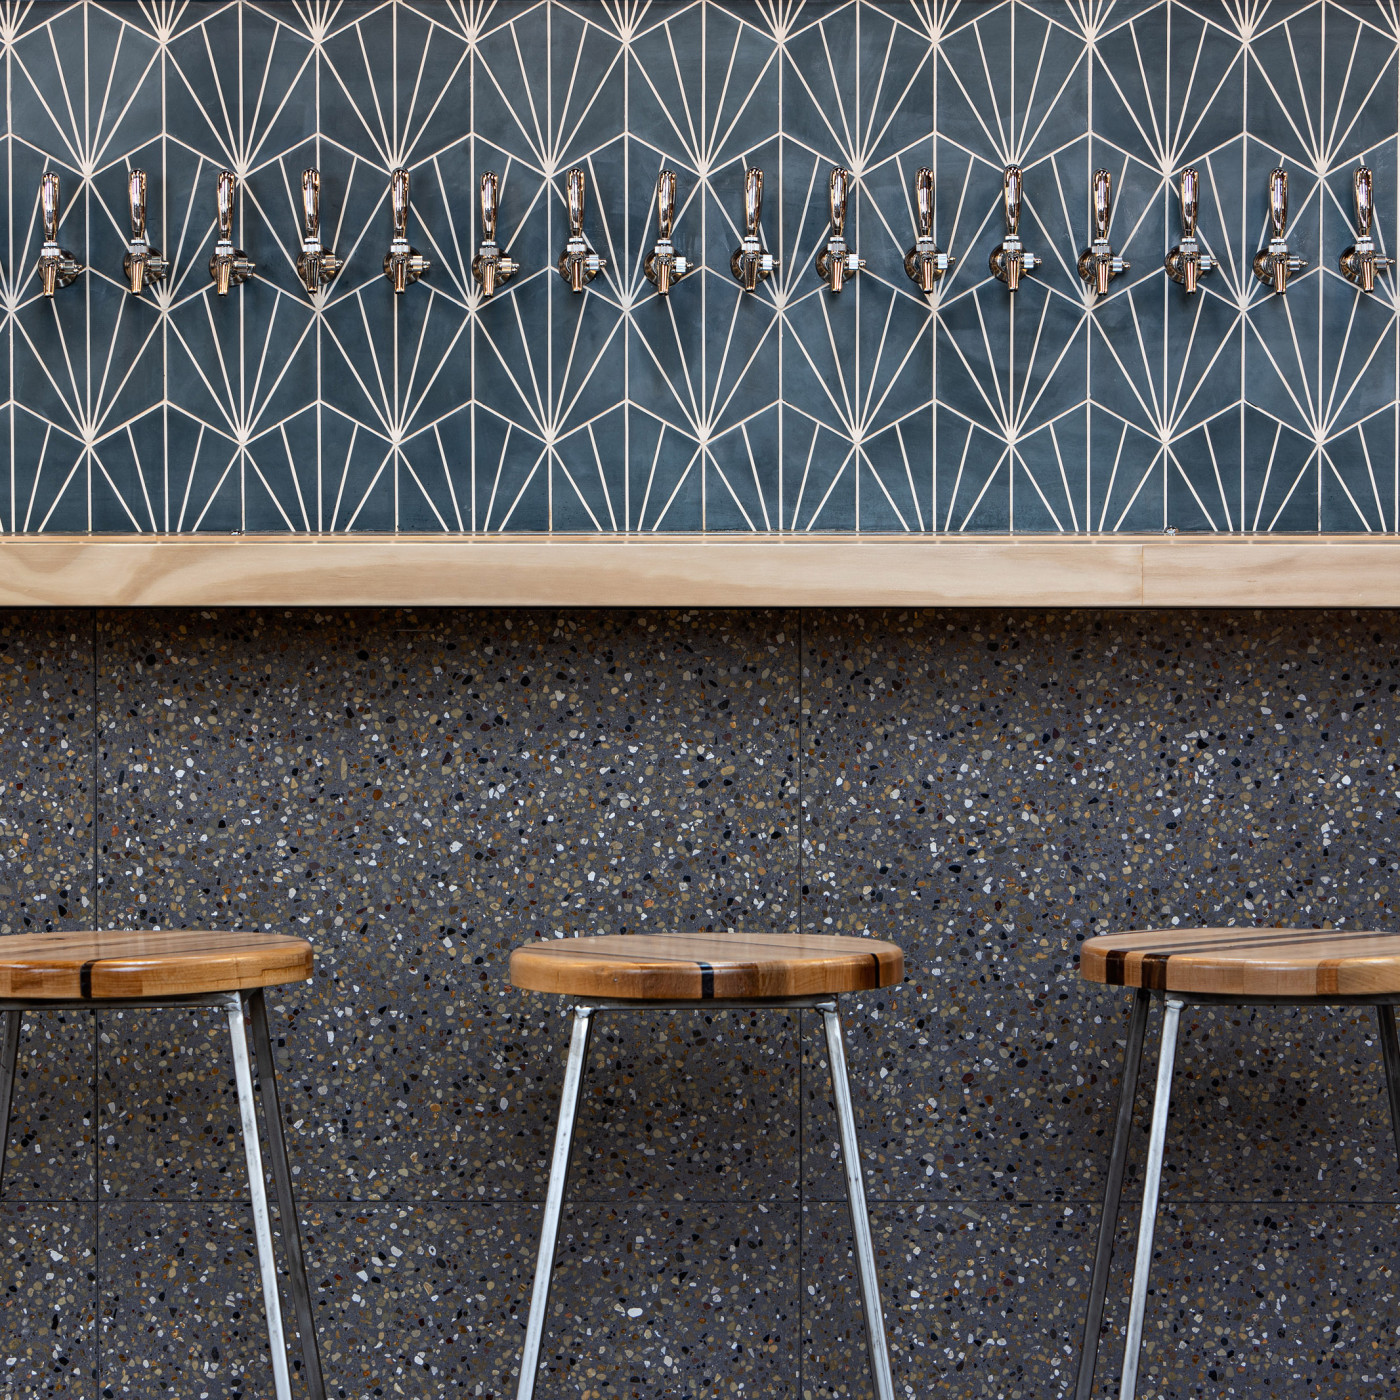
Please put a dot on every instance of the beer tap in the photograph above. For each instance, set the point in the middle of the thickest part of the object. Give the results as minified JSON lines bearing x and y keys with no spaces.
{"x":1186,"y":262}
{"x":663,"y":265}
{"x":403,"y":265}
{"x":578,"y":263}
{"x":315,"y":266}
{"x":1098,"y":263}
{"x":142,"y":264}
{"x":1360,"y":262}
{"x":491,"y":267}
{"x":1275,"y":264}
{"x":228,"y":266}
{"x":57,"y":266}
{"x":837,"y":261}
{"x":1009,"y":259}
{"x":751,"y":261}
{"x":925,"y":262}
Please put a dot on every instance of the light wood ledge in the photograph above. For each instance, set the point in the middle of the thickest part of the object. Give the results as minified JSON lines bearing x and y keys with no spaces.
{"x":729,"y":570}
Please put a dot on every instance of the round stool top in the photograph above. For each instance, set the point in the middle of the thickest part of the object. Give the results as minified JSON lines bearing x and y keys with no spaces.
{"x":173,"y":963}
{"x":706,"y":966}
{"x":1247,"y":962}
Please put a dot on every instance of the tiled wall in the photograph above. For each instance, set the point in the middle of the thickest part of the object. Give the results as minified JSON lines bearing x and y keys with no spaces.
{"x":417,"y":792}
{"x":618,"y":410}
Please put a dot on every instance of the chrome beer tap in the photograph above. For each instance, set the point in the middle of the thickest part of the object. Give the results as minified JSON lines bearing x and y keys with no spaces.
{"x":926,"y":262}
{"x":228,"y":265}
{"x":751,"y":261}
{"x":402,"y":265}
{"x":491,"y":267}
{"x":57,"y":266}
{"x":1360,"y":262}
{"x":1186,"y":262}
{"x":315,"y":266}
{"x":578,"y":263}
{"x":142,"y":264}
{"x":1098,"y":263}
{"x":837,"y":261}
{"x":1275,"y":264}
{"x":1009,"y":259}
{"x":663,"y":265}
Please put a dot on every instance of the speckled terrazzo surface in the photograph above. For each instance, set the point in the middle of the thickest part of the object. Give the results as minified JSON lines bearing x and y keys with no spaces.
{"x":417,"y":792}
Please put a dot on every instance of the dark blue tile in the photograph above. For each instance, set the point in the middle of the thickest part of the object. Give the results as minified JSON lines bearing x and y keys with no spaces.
{"x":205,"y":469}
{"x":739,"y":492}
{"x":1359,"y":477}
{"x":1282,"y":475}
{"x":1127,"y":468}
{"x":666,"y":476}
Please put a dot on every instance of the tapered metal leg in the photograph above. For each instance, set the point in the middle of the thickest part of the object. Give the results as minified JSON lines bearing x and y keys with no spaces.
{"x":1113,"y":1192}
{"x":554,"y":1200}
{"x":1390,"y":1054}
{"x":9,"y":1054}
{"x":286,"y":1202}
{"x":257,"y":1191}
{"x":860,"y":1221}
{"x":1151,"y":1186}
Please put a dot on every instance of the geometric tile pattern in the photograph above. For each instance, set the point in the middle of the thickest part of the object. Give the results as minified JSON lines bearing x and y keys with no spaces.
{"x":618,"y":410}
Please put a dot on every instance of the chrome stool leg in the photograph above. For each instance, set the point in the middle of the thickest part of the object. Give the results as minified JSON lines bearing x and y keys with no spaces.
{"x":286,"y":1201}
{"x":9,"y":1054}
{"x":1113,"y":1193}
{"x":855,"y":1196}
{"x":1390,"y":1054}
{"x":257,"y":1191}
{"x":554,"y":1200}
{"x":1151,"y":1186}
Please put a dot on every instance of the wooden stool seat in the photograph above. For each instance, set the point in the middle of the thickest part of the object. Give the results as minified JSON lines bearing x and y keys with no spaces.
{"x":101,"y":965}
{"x":1247,"y":962}
{"x":706,"y":966}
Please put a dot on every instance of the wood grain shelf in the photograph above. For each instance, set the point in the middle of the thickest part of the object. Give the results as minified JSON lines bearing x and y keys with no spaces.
{"x":729,"y":570}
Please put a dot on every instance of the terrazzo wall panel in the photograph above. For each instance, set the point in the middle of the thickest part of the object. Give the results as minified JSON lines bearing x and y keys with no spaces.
{"x":618,"y":410}
{"x":418,"y":791}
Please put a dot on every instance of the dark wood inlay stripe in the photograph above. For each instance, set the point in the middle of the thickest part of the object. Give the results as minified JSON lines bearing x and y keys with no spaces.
{"x":707,"y":981}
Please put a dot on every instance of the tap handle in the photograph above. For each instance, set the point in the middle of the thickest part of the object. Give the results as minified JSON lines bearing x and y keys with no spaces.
{"x":577,"y":189}
{"x":398,"y":200}
{"x":48,"y":197}
{"x":1103,"y":203}
{"x":1190,"y":200}
{"x":1361,"y":190}
{"x":839,"y":192}
{"x":923,"y":200}
{"x":1278,"y":200}
{"x":136,"y":192}
{"x":227,"y":187}
{"x":753,"y":198}
{"x":490,"y":205}
{"x":665,"y":203}
{"x":1011,"y":199}
{"x":311,"y":203}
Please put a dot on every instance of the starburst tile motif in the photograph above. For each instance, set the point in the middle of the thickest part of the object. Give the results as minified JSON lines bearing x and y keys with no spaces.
{"x":791,"y":408}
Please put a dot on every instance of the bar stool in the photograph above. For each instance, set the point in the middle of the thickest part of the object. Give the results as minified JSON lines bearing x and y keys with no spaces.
{"x":695,"y":972}
{"x":101,"y":971}
{"x":1215,"y":967}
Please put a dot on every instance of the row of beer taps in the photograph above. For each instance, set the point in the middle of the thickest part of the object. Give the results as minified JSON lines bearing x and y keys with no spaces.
{"x":835,"y":262}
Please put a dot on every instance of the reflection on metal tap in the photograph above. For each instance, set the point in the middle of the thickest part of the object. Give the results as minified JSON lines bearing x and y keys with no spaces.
{"x":1185,"y":263}
{"x":315,"y":266}
{"x":578,"y":263}
{"x":663,"y":265}
{"x":836,"y":261}
{"x":926,"y":262}
{"x":57,"y":266}
{"x":402,"y":265}
{"x":1275,"y":264}
{"x":1360,"y":262}
{"x":751,"y":261}
{"x":491,"y":267}
{"x":1098,"y":263}
{"x":142,"y":264}
{"x":1009,"y":259}
{"x":228,"y":265}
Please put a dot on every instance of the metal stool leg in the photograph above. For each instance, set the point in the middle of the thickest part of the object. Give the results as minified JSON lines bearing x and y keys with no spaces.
{"x":554,"y":1200}
{"x":1390,"y":1054}
{"x":1113,"y":1192}
{"x":9,"y":1053}
{"x":1151,"y":1186}
{"x":855,"y":1196}
{"x":257,"y":1191}
{"x":286,"y":1202}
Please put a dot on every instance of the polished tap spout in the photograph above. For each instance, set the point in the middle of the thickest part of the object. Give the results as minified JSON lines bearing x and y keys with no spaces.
{"x":1360,"y":261}
{"x":663,"y":266}
{"x":1098,"y":263}
{"x":1275,"y":265}
{"x":491,"y":267}
{"x":837,"y":261}
{"x":925,"y":262}
{"x":57,"y":267}
{"x":142,"y":264}
{"x":315,"y":264}
{"x":751,"y":262}
{"x":228,"y":266}
{"x":403,"y":265}
{"x":1009,"y":260}
{"x":1186,"y":262}
{"x":578,"y":263}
